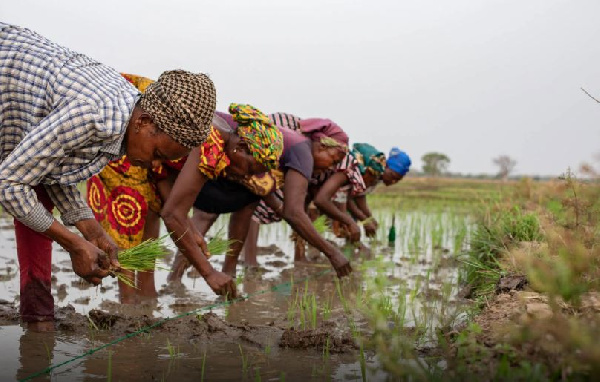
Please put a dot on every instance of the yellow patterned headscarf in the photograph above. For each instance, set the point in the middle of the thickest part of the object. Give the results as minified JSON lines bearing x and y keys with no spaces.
{"x":263,"y":138}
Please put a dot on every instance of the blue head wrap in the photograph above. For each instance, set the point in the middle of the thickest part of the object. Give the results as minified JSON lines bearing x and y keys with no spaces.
{"x":398,"y":161}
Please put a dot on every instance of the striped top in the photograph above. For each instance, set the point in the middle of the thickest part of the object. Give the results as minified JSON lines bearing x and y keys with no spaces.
{"x":63,"y":117}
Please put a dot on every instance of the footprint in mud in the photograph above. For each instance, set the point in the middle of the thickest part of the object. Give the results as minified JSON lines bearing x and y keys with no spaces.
{"x":82,"y":300}
{"x":61,"y":292}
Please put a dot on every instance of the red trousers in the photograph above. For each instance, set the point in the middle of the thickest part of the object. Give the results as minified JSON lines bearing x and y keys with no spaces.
{"x":34,"y":251}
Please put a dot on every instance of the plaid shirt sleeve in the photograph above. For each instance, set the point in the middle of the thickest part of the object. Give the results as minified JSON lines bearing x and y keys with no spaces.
{"x":70,"y":204}
{"x":70,"y":125}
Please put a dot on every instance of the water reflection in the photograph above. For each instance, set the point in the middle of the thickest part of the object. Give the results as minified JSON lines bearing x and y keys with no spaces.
{"x":421,"y":266}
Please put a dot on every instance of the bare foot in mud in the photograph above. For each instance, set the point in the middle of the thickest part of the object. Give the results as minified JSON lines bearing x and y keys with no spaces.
{"x":301,"y":259}
{"x":128,"y":300}
{"x":147,"y":294}
{"x":43,"y":326}
{"x":251,"y":264}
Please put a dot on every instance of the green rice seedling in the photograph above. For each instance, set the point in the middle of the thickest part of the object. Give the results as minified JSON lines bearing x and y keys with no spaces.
{"x":321,"y":225}
{"x":460,"y":238}
{"x":141,"y":258}
{"x":109,"y":367}
{"x":338,"y":287}
{"x":173,"y":352}
{"x":313,"y":317}
{"x":363,"y":363}
{"x":326,"y":310}
{"x":257,"y":377}
{"x":282,"y":377}
{"x":291,"y":313}
{"x":48,"y":354}
{"x":326,"y":350}
{"x":268,"y":349}
{"x":240,"y":277}
{"x":244,"y":361}
{"x":203,"y":365}
{"x":218,"y":245}
{"x":302,"y":317}
{"x":92,"y":324}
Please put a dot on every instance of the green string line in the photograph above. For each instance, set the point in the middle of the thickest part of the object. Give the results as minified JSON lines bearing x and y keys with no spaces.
{"x":159,"y":323}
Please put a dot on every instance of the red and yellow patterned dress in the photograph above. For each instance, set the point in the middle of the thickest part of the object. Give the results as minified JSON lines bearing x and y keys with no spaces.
{"x":121,"y":194}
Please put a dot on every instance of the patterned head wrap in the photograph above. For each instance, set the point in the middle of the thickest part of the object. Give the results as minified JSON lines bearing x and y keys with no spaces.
{"x":369,"y":158}
{"x":182,"y":105}
{"x":398,"y":161}
{"x":325,"y":131}
{"x":263,"y":138}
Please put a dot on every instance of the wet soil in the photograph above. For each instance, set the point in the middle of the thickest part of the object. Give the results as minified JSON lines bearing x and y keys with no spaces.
{"x":240,"y":341}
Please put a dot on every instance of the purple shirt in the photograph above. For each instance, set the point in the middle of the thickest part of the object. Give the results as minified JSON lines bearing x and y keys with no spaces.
{"x":297,"y":153}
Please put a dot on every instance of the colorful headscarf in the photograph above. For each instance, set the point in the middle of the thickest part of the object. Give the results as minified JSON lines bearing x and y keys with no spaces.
{"x":182,"y":104}
{"x":398,"y":161}
{"x":369,"y":159}
{"x":325,"y":131}
{"x":263,"y":138}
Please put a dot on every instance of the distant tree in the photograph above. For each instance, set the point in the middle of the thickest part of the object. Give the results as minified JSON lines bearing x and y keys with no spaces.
{"x":435,"y":164}
{"x":506,"y":165}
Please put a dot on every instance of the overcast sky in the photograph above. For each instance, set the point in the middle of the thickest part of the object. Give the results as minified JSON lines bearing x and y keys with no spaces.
{"x":470,"y":78}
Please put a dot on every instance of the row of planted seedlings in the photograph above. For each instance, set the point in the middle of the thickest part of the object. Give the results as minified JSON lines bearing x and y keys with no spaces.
{"x":393,"y":310}
{"x":394,"y":300}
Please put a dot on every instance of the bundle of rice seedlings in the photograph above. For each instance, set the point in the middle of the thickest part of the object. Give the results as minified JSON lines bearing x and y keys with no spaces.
{"x":141,"y":258}
{"x":321,"y":225}
{"x":218,"y":244}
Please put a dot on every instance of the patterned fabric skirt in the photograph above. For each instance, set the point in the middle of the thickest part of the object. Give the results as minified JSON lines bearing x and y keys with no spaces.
{"x":120,"y":197}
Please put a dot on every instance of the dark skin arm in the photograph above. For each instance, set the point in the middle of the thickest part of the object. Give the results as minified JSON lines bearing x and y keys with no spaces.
{"x":359,"y":208}
{"x":89,"y":262}
{"x":294,"y":192}
{"x":324,"y":203}
{"x":175,"y":215}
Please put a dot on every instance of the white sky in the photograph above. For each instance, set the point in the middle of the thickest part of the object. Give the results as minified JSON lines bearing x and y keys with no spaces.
{"x":470,"y":78}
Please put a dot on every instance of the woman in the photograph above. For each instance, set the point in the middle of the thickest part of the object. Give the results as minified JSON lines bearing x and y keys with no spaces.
{"x":317,"y":130}
{"x":126,"y":202}
{"x":294,"y":172}
{"x":374,"y":168}
{"x":225,"y":165}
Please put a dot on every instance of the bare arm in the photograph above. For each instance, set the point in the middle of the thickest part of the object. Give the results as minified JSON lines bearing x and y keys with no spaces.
{"x":175,"y":215}
{"x":323,"y":201}
{"x":359,"y":208}
{"x":293,"y":212}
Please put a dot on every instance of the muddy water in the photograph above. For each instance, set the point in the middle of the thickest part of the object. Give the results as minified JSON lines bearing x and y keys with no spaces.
{"x":243,"y":341}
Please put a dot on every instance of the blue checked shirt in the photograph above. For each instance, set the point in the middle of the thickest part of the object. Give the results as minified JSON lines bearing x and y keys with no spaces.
{"x":63,"y":117}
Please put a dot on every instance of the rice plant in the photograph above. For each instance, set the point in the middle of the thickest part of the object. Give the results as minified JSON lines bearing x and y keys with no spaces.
{"x":218,"y":244}
{"x":244,"y":360}
{"x":203,"y":365}
{"x":321,"y":225}
{"x":109,"y":367}
{"x":141,"y":258}
{"x":173,"y":351}
{"x":363,"y":363}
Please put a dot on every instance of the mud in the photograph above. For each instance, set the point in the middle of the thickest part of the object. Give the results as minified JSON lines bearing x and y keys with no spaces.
{"x":327,"y":336}
{"x":249,"y":338}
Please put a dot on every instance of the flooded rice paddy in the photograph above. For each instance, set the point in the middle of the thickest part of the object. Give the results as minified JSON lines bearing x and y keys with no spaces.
{"x":297,"y":323}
